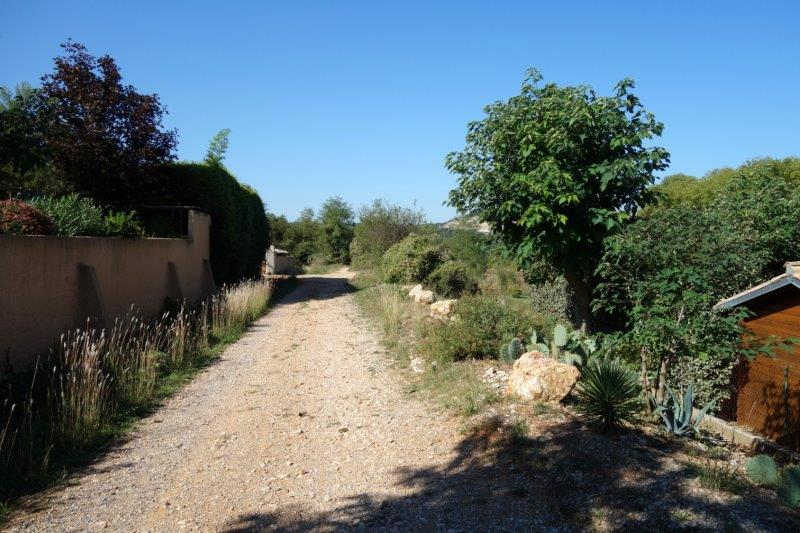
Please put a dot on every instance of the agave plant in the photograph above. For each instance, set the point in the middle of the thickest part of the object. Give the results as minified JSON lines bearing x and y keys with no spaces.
{"x":571,"y":347}
{"x":677,"y":413}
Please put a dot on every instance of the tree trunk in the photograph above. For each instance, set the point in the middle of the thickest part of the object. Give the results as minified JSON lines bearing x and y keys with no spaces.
{"x":661,"y":389}
{"x":580,"y":294}
{"x":645,"y":383}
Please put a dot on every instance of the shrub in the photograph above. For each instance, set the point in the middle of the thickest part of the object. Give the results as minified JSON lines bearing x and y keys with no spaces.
{"x":379,"y":227}
{"x":503,"y":278}
{"x":120,"y":224}
{"x":661,"y":276}
{"x":19,"y":218}
{"x":72,"y":214}
{"x":451,"y":279}
{"x":239,"y":227}
{"x":608,"y":394}
{"x":482,"y":328}
{"x":470,"y":248}
{"x":336,"y":230}
{"x":412,"y":259}
{"x":789,"y":487}
{"x":762,"y":470}
{"x":552,"y":297}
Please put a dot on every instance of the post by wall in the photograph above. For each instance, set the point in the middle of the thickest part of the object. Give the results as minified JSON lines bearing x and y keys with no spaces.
{"x":51,"y":284}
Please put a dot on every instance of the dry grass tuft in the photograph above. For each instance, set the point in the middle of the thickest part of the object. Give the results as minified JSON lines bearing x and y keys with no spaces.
{"x":96,"y":378}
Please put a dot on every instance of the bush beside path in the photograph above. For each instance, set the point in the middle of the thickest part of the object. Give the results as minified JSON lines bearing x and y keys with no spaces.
{"x":304,"y":425}
{"x":298,"y":422}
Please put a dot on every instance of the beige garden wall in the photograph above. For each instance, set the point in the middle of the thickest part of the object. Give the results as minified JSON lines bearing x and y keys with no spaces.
{"x":51,"y":284}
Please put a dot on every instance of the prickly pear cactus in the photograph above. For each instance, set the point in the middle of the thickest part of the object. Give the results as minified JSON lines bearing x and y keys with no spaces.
{"x":560,"y":336}
{"x":789,"y":487}
{"x":762,"y":470}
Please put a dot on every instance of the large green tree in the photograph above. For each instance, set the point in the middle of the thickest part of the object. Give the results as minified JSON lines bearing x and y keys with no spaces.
{"x":555,"y":169}
{"x":25,"y":117}
{"x":336,"y":222}
{"x":106,"y":140}
{"x":661,"y":276}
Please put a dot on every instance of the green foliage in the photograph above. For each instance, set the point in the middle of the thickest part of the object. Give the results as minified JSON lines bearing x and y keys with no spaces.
{"x":72,"y":214}
{"x":218,"y":147}
{"x":107,"y":140}
{"x":569,"y":346}
{"x":511,"y":351}
{"x":470,"y":248}
{"x":452,"y":279}
{"x":239,"y":227}
{"x":20,"y":218}
{"x":481,"y":329}
{"x":608,"y":394}
{"x":662,"y":275}
{"x":719,"y":475}
{"x":762,"y":470}
{"x":677,"y":413}
{"x":121,"y":224}
{"x":789,"y":487}
{"x":380,"y":226}
{"x":24,"y":154}
{"x":555,"y":170}
{"x":300,"y":238}
{"x":336,"y":230}
{"x":680,"y":189}
{"x":76,"y":215}
{"x":413,"y":259}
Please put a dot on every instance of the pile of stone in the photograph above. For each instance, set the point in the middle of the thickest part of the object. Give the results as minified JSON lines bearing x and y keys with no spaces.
{"x":441,"y":309}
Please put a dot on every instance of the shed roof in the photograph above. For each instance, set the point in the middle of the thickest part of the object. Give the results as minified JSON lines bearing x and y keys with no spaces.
{"x":790,"y":277}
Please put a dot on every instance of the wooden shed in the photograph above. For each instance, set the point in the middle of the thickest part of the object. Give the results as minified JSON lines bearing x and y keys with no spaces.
{"x":767,"y":397}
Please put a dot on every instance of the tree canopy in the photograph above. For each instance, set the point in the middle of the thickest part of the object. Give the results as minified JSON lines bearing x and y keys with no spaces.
{"x":218,"y":147}
{"x":106,"y":138}
{"x":555,"y":170}
{"x":661,"y":276}
{"x":336,"y":220}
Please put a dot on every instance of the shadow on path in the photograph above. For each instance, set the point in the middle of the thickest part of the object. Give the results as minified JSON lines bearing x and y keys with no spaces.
{"x":567,"y":479}
{"x":316,"y":288}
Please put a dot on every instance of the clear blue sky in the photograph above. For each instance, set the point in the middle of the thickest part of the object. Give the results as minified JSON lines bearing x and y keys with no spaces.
{"x":364,"y":99}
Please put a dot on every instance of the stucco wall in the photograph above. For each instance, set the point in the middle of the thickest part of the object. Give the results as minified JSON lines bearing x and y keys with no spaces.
{"x":279,"y":262}
{"x":51,"y":284}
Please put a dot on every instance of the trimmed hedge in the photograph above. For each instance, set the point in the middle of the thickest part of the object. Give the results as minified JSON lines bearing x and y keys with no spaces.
{"x":239,"y":226}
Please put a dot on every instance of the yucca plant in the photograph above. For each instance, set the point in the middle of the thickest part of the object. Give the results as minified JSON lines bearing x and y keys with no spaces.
{"x":608,"y":394}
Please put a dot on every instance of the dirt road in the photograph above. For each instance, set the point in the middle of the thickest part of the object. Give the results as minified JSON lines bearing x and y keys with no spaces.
{"x":300,"y":425}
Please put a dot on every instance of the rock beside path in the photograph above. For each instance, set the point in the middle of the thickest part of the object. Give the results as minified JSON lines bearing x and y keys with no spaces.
{"x":443,"y":309}
{"x":537,"y":377}
{"x":421,"y":295}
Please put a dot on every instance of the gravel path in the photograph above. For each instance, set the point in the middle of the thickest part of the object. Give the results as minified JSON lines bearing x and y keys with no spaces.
{"x":299,"y":426}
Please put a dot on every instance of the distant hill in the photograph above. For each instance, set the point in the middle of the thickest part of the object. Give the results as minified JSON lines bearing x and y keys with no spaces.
{"x":465,"y":222}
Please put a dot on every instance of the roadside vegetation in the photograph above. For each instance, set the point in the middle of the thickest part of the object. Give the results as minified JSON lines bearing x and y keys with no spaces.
{"x":594,"y":264}
{"x":86,"y":154}
{"x":95,"y":383}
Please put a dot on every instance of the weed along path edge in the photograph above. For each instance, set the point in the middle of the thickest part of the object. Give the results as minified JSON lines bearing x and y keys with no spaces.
{"x":299,"y":425}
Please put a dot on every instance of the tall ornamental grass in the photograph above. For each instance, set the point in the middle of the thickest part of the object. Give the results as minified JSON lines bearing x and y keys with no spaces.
{"x":94,"y":378}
